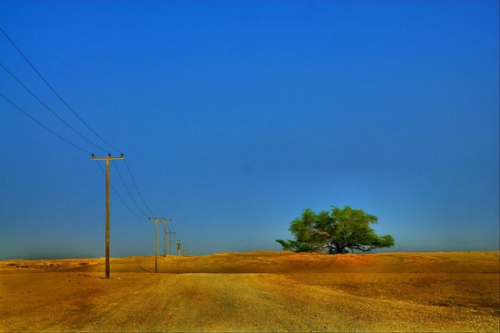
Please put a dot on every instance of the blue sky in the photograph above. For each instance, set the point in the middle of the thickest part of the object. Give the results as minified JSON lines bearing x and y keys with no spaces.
{"x":236,"y":116}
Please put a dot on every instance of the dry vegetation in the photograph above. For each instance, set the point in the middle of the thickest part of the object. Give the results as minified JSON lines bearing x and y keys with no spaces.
{"x":259,"y":291}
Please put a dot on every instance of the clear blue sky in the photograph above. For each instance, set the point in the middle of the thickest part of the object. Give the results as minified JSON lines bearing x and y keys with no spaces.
{"x":234,"y":116}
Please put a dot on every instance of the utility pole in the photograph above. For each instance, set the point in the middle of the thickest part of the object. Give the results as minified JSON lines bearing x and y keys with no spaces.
{"x":155,"y":220}
{"x":165,"y":235}
{"x":107,"y":159}
{"x":170,"y":242}
{"x":179,"y":246}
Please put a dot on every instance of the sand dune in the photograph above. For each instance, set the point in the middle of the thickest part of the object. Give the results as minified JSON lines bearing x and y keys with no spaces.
{"x":256,"y":291}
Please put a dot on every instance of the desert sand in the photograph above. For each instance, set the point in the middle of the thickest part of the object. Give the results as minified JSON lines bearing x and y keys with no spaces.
{"x":262,"y":291}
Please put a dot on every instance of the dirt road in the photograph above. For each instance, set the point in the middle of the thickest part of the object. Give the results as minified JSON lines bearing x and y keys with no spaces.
{"x":311,"y":296}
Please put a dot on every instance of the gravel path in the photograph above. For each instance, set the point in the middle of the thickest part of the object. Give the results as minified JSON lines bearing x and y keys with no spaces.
{"x":80,"y":300}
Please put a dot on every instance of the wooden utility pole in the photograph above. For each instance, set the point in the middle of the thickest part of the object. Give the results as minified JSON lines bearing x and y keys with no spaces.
{"x":165,"y":235}
{"x":155,"y":220}
{"x":107,"y":159}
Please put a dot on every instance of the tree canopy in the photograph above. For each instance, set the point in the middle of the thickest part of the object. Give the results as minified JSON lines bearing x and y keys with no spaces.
{"x":336,"y":231}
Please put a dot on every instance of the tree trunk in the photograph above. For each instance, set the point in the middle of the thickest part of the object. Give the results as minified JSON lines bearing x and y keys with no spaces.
{"x":339,"y":249}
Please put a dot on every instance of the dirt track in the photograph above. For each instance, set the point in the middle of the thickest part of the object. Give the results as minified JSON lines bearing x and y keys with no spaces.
{"x":263,"y":291}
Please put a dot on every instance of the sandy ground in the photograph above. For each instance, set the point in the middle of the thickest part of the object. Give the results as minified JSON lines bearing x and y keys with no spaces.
{"x":258,"y":291}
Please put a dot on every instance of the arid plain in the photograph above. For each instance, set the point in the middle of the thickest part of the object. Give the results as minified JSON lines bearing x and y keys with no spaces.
{"x":259,"y":291}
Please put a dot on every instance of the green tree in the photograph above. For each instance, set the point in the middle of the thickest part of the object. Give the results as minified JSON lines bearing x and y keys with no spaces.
{"x":335,"y":232}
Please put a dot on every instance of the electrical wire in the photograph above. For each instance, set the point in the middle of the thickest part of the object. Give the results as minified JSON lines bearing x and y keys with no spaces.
{"x":62,"y":120}
{"x":137,"y":188}
{"x":54,"y":91}
{"x":128,"y":191}
{"x":42,"y":125}
{"x":48,"y":108}
{"x":76,"y":146}
{"x":173,"y":231}
{"x":74,"y":130}
{"x":118,"y":195}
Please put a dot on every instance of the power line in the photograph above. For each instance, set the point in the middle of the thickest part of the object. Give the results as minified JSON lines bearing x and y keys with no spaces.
{"x":73,"y":129}
{"x":74,"y":145}
{"x":42,"y":125}
{"x":48,"y":108}
{"x":86,"y":151}
{"x":67,"y":141}
{"x":137,"y":188}
{"x":118,"y":195}
{"x":173,"y":231}
{"x":62,"y":120}
{"x":128,"y":191}
{"x":53,"y":90}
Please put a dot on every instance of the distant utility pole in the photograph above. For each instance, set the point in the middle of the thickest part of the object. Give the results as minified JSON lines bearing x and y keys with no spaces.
{"x":165,"y":235}
{"x":179,"y":246}
{"x":155,"y":220}
{"x":170,"y":242}
{"x":107,"y":159}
